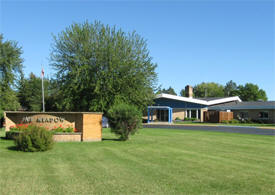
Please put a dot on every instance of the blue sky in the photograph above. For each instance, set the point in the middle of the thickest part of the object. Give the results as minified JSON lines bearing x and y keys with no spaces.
{"x":191,"y":41}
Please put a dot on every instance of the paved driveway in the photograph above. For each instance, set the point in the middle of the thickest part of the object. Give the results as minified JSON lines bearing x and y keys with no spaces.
{"x":229,"y":129}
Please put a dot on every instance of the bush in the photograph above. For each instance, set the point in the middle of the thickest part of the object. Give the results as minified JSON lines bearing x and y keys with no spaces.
{"x":259,"y":121}
{"x":178,"y":119}
{"x":234,"y":121}
{"x":61,"y":129}
{"x":124,"y":119}
{"x":189,"y":119}
{"x":19,"y":127}
{"x":247,"y":120}
{"x":34,"y":139}
{"x":12,"y":134}
{"x":225,"y":121}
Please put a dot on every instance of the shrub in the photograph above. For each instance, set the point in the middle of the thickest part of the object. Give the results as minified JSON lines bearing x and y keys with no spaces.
{"x":177,"y":119}
{"x":12,"y":134}
{"x":34,"y":139}
{"x":124,"y":119}
{"x":189,"y":119}
{"x":61,"y":129}
{"x":225,"y":121}
{"x":234,"y":121}
{"x":259,"y":121}
{"x":247,"y":120}
{"x":19,"y":127}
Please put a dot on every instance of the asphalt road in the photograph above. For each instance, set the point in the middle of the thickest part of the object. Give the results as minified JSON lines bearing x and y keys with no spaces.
{"x":228,"y":129}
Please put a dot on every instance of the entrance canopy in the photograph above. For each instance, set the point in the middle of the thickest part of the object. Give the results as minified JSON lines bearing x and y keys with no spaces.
{"x":151,"y":110}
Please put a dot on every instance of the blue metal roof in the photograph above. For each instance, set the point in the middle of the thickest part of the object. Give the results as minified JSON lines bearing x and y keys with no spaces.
{"x":244,"y":105}
{"x":176,"y":103}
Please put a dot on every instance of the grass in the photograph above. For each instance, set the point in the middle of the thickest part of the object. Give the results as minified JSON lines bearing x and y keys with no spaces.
{"x":227,"y":124}
{"x":154,"y":161}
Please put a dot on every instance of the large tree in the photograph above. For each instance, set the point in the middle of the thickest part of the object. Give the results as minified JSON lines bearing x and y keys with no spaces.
{"x":30,"y":93}
{"x":97,"y":65}
{"x":169,"y":90}
{"x":251,"y":92}
{"x":182,"y":93}
{"x":208,"y":90}
{"x":230,"y":89}
{"x":10,"y":69}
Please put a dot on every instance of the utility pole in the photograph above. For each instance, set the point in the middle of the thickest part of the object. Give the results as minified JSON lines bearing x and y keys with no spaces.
{"x":42,"y":76}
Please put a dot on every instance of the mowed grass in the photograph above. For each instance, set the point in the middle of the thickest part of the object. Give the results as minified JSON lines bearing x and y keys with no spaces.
{"x":225,"y":124}
{"x":154,"y":161}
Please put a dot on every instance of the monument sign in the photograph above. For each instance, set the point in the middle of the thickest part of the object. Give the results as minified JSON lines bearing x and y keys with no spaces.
{"x":88,"y":123}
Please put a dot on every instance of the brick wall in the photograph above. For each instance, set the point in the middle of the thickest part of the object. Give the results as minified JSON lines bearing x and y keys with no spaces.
{"x":180,"y":113}
{"x":67,"y":120}
{"x":66,"y":137}
{"x":88,"y":123}
{"x":254,"y":115}
{"x":92,"y":127}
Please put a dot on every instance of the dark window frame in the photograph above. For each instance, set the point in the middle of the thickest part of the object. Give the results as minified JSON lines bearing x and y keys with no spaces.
{"x":244,"y":115}
{"x":263,"y":115}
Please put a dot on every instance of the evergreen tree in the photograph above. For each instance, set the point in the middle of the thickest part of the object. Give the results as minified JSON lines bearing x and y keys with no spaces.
{"x":182,"y":93}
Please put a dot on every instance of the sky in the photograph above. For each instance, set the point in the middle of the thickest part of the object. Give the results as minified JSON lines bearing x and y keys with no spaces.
{"x":190,"y":41}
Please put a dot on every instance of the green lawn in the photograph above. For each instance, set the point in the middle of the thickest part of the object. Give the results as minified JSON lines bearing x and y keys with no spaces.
{"x":154,"y":161}
{"x":229,"y":124}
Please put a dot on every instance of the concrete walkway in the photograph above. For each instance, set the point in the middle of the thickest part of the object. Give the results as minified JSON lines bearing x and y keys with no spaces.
{"x":222,"y":128}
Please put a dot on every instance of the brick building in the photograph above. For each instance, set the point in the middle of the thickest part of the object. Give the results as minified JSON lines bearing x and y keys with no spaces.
{"x":169,"y":107}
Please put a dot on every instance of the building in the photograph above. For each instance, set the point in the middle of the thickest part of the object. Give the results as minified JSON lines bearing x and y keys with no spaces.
{"x":256,"y":111}
{"x":170,"y":107}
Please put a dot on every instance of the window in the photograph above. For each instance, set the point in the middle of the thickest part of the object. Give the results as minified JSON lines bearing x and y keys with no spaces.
{"x":263,"y":115}
{"x":244,"y":115}
{"x":162,"y":115}
{"x":193,"y":113}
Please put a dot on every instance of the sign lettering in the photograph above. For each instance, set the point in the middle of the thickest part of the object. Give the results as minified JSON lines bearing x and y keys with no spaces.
{"x":44,"y":120}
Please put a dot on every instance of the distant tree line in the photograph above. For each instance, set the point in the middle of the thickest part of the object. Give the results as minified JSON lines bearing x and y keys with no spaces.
{"x":169,"y":90}
{"x":247,"y":92}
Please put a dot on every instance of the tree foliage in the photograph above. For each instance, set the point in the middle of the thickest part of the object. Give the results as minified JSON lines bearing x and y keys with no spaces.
{"x":97,"y":64}
{"x":182,"y":93}
{"x":230,"y":89}
{"x":247,"y":92}
{"x":30,"y":92}
{"x":251,"y":92}
{"x":34,"y":139}
{"x":208,"y":90}
{"x":10,"y":69}
{"x":124,"y":120}
{"x":170,"y":91}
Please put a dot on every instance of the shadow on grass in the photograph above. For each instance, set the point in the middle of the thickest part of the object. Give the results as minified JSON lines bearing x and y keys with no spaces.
{"x":12,"y":148}
{"x":6,"y":138}
{"x":111,"y":139}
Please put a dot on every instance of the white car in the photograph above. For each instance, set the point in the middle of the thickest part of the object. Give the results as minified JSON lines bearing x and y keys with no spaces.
{"x":105,"y":123}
